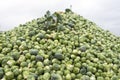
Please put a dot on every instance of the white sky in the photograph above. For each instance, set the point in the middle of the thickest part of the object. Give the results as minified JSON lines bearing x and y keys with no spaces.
{"x":105,"y":13}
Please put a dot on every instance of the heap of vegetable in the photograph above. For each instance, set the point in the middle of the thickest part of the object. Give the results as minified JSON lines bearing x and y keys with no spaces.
{"x":59,"y":46}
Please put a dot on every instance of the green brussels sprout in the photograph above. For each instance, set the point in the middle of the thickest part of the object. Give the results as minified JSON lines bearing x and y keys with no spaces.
{"x":92,"y":77}
{"x":83,"y":48}
{"x":66,"y":72}
{"x":78,"y":76}
{"x":56,"y":77}
{"x":23,"y":64}
{"x":76,"y":70}
{"x":15,"y":55}
{"x":9,"y":75}
{"x":46,"y":76}
{"x":89,"y":73}
{"x":33,"y":75}
{"x":100,"y":78}
{"x":1,"y":72}
{"x":41,"y":35}
{"x":39,"y":64}
{"x":19,"y":77}
{"x":47,"y":68}
{"x":75,"y":51}
{"x":40,"y":70}
{"x":16,"y":72}
{"x":31,"y":33}
{"x":56,"y":66}
{"x":68,"y":77}
{"x":39,"y":58}
{"x":4,"y":61}
{"x":0,"y":48}
{"x":33,"y":51}
{"x":46,"y":62}
{"x":77,"y":65}
{"x":32,"y":57}
{"x":73,"y":75}
{"x":55,"y":61}
{"x":21,"y":58}
{"x":73,"y":56}
{"x":59,"y":56}
{"x":69,"y":67}
{"x":30,"y":77}
{"x":60,"y":28}
{"x":27,"y":55}
{"x":32,"y":70}
{"x":85,"y":77}
{"x":83,"y":70}
{"x":114,"y":77}
{"x":11,"y":62}
{"x":21,"y":38}
{"x":26,"y":74}
{"x":1,"y":57}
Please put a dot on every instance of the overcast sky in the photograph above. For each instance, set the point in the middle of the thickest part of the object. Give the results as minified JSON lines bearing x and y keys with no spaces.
{"x":105,"y":13}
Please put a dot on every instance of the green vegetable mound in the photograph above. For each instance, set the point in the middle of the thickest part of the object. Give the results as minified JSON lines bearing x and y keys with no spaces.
{"x":59,"y":46}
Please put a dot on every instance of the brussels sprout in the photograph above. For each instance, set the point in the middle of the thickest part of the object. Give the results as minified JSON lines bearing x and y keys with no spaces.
{"x":69,"y":67}
{"x":114,"y":77}
{"x":68,"y":77}
{"x":30,"y":77}
{"x":33,"y":51}
{"x":56,"y":77}
{"x":73,"y":56}
{"x":19,"y":77}
{"x":41,"y":35}
{"x":76,"y":70}
{"x":83,"y":70}
{"x":77,"y":65}
{"x":40,"y":70}
{"x":75,"y":51}
{"x":46,"y":62}
{"x":89,"y":73}
{"x":9,"y":75}
{"x":83,"y":48}
{"x":47,"y":68}
{"x":27,"y":55}
{"x":31,"y":33}
{"x":32,"y":58}
{"x":39,"y":58}
{"x":23,"y":64}
{"x":56,"y":66}
{"x":39,"y":64}
{"x":92,"y":77}
{"x":1,"y":73}
{"x":78,"y":76}
{"x":85,"y":77}
{"x":73,"y":75}
{"x":59,"y":56}
{"x":21,"y":58}
{"x":25,"y":74}
{"x":11,"y":62}
{"x":100,"y":78}
{"x":16,"y":72}
{"x":46,"y":76}
{"x":60,"y":27}
{"x":33,"y":76}
{"x":15,"y":55}
{"x":66,"y":72}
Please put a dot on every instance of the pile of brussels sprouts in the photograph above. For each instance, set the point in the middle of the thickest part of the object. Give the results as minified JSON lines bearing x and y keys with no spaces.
{"x":59,"y":46}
